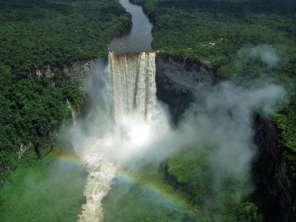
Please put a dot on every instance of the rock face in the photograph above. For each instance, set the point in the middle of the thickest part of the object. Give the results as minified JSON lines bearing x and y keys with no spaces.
{"x":177,"y":80}
{"x":272,"y":186}
{"x":77,"y":71}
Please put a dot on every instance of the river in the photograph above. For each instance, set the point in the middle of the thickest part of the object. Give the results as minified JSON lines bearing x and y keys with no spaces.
{"x":139,"y":38}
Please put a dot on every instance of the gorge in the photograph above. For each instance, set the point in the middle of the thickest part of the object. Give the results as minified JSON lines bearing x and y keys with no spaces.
{"x":98,"y":125}
{"x":135,"y":78}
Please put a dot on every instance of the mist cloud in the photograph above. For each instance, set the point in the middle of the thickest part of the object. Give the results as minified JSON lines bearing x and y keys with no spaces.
{"x":221,"y":116}
{"x":219,"y":122}
{"x":267,"y":54}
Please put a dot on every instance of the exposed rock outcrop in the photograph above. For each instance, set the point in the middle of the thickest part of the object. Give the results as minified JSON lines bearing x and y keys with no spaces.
{"x":177,"y":81}
{"x":273,"y":190}
{"x":77,"y":71}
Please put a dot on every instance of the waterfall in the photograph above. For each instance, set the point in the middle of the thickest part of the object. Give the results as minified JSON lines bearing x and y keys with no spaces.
{"x":133,"y":84}
{"x":136,"y":112}
{"x":73,"y":114}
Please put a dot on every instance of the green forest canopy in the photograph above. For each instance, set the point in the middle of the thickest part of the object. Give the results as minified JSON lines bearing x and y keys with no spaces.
{"x":33,"y":35}
{"x":223,"y":34}
{"x":220,"y":33}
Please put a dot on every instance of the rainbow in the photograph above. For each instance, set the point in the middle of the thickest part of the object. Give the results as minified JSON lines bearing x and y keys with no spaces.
{"x":69,"y":158}
{"x":163,"y":190}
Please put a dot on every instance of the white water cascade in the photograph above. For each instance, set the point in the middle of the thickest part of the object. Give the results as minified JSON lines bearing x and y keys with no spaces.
{"x":133,"y":85}
{"x":136,"y":114}
{"x":98,"y":184}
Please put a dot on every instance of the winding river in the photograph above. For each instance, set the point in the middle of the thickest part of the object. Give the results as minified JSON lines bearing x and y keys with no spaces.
{"x":139,"y":38}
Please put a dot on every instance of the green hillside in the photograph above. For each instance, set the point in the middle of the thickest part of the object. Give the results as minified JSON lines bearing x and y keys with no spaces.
{"x":33,"y":35}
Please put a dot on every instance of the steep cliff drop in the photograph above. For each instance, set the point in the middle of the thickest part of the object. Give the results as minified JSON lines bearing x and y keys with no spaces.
{"x":136,"y":113}
{"x":133,"y":85}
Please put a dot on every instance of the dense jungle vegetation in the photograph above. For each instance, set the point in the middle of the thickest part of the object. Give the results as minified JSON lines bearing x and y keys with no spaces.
{"x":223,"y":34}
{"x":182,"y":189}
{"x":33,"y":35}
{"x":247,"y":41}
{"x":49,"y":190}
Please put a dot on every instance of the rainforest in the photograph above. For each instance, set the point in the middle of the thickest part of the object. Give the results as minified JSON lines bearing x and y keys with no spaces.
{"x":148,"y":110}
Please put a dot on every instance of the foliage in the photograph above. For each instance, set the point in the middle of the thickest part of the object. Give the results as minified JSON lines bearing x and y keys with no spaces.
{"x":35,"y":34}
{"x":227,"y":35}
{"x":44,"y":191}
{"x":64,"y":32}
{"x":181,"y":189}
{"x":215,"y":197}
{"x":215,"y":32}
{"x":132,"y":201}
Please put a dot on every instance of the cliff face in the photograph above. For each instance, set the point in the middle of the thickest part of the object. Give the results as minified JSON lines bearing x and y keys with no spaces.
{"x":77,"y":71}
{"x":177,"y":80}
{"x":273,"y":191}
